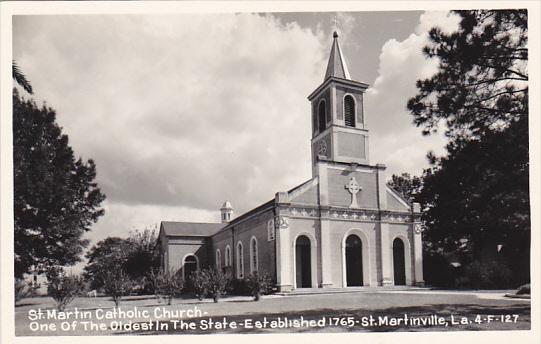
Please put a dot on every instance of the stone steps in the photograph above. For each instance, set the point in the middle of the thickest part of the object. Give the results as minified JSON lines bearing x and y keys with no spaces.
{"x":316,"y":291}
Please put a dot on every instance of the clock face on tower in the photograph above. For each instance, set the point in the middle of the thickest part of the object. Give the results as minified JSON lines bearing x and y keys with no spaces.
{"x":322,"y":148}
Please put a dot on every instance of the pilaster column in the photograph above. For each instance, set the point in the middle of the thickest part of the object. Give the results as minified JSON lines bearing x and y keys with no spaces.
{"x":382,"y":186}
{"x":326,"y":259}
{"x":284,"y":267}
{"x":283,"y":259}
{"x":384,"y":245}
{"x":385,"y":255}
{"x":418,"y":254}
{"x":325,"y":228}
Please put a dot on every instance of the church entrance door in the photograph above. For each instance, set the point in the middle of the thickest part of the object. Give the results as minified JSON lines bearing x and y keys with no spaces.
{"x":399,"y":263}
{"x":190,"y":265}
{"x":354,"y":261}
{"x":303,"y":264}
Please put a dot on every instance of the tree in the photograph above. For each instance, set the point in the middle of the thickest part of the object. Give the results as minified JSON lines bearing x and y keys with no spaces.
{"x":116,"y":284}
{"x":482,"y":81}
{"x":477,"y":196}
{"x":143,"y":256}
{"x":56,"y":198}
{"x":62,"y":287}
{"x":198,"y":281}
{"x":136,"y":255}
{"x":168,"y":284}
{"x":406,"y":185}
{"x":259,"y":284}
{"x":108,"y":254}
{"x":216,"y":283}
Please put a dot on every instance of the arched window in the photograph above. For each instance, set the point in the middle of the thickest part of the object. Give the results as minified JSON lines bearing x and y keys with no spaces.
{"x":349,"y":111}
{"x":240,"y":261}
{"x":227,"y":256}
{"x":218,"y":259}
{"x":253,"y":255}
{"x":322,"y":116}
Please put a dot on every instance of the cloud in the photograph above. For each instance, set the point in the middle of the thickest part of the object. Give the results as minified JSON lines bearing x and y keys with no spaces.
{"x":346,"y":23}
{"x":401,"y":64}
{"x":181,"y":112}
{"x":172,"y":107}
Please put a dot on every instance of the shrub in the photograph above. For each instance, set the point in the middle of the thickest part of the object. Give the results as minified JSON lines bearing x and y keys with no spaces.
{"x":169,"y":284}
{"x":199,"y":283}
{"x":116,"y":283}
{"x":63,"y":288}
{"x":22,"y":289}
{"x":216,"y":283}
{"x":438,"y":272}
{"x":152,"y":280}
{"x":485,"y":274}
{"x":259,"y":284}
{"x":238,"y":287}
{"x":524,"y":289}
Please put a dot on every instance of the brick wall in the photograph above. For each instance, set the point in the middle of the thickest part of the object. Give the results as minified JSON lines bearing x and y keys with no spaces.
{"x":257,"y":227}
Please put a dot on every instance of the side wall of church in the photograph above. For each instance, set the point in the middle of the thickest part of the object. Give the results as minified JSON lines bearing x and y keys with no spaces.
{"x":243,"y":232}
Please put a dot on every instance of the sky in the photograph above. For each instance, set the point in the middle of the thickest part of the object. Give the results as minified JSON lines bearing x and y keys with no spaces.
{"x":181,"y":112}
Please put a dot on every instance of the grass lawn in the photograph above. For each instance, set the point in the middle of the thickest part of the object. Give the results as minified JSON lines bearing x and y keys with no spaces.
{"x":341,"y":312}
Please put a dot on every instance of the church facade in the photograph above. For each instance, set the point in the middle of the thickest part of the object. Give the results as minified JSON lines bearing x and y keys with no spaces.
{"x":344,"y":227}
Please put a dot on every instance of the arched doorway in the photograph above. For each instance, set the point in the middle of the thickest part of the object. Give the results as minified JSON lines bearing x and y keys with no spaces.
{"x":190,"y":265}
{"x":303,"y":263}
{"x":354,"y":261}
{"x":399,"y":262}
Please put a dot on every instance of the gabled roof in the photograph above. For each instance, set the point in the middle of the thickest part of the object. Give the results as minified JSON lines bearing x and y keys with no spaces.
{"x":248,"y":214}
{"x":336,"y":66}
{"x":172,"y":228}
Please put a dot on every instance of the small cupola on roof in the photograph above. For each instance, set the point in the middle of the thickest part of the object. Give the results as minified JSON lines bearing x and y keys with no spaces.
{"x":337,"y":66}
{"x":226,"y":212}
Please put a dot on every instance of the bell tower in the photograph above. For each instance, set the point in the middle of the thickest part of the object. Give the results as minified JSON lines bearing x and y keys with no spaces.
{"x":339,"y":133}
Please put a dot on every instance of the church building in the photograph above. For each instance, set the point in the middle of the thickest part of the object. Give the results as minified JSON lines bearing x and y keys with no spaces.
{"x":344,"y":227}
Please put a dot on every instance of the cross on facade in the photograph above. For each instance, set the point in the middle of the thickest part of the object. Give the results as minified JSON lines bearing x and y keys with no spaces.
{"x":353,"y":187}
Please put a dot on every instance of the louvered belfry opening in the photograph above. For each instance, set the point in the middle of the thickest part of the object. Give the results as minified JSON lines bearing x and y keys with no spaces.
{"x":349,"y":111}
{"x":322,"y":118}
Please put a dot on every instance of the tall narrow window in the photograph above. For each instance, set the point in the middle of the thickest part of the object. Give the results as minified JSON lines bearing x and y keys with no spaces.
{"x":218,"y":259}
{"x":270,"y":230}
{"x":253,"y":255}
{"x":227,"y":256}
{"x":349,"y":111}
{"x":322,"y":116}
{"x":240,"y":261}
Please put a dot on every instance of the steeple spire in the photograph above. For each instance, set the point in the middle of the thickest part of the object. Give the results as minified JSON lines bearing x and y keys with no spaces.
{"x":337,"y":64}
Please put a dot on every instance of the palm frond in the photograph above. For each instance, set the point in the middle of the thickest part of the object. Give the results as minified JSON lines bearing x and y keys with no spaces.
{"x":20,"y":78}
